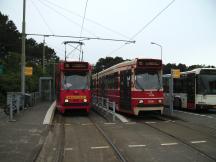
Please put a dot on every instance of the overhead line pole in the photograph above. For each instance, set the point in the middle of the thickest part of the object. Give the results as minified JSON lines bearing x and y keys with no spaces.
{"x":23,"y":50}
{"x":43,"y":57}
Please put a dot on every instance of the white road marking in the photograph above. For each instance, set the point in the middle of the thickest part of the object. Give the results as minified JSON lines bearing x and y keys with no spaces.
{"x":150,"y":122}
{"x":68,"y":149}
{"x":49,"y":115}
{"x":54,"y":149}
{"x":121,"y":118}
{"x":203,"y":115}
{"x":109,"y":123}
{"x":130,"y":123}
{"x":168,"y":144}
{"x":198,"y":141}
{"x":67,"y":124}
{"x":99,"y":147}
{"x":167,"y":121}
{"x":85,"y":124}
{"x":195,"y":114}
{"x":136,"y":145}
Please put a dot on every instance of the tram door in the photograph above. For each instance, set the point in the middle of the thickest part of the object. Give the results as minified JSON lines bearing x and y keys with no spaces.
{"x":125,"y":90}
{"x":191,"y":91}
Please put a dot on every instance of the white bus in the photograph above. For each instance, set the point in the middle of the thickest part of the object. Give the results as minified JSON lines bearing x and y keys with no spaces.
{"x":194,"y":89}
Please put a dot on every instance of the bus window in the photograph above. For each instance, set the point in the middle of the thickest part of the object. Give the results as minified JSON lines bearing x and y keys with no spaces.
{"x":207,"y":84}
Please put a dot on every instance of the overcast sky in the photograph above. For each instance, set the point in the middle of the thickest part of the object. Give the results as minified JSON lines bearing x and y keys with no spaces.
{"x":186,"y":30}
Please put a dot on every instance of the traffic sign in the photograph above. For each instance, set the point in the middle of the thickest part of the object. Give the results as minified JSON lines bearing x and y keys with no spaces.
{"x":175,"y":73}
{"x":28,"y":71}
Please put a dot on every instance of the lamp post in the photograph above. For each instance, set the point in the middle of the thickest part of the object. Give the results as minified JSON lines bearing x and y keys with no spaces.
{"x":159,"y":46}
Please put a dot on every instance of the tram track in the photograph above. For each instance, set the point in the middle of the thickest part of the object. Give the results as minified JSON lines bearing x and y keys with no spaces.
{"x":64,"y":123}
{"x":149,"y":124}
{"x":212,"y":133}
{"x":108,"y":139}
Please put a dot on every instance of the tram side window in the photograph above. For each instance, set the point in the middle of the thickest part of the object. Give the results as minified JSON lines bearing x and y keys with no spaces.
{"x":116,"y":81}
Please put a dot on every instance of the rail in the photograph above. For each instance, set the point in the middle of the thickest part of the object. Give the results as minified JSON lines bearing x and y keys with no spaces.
{"x":105,"y":104}
{"x":17,"y":101}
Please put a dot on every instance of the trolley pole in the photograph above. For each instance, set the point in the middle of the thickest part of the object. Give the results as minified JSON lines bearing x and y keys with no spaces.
{"x":65,"y":52}
{"x":23,"y":50}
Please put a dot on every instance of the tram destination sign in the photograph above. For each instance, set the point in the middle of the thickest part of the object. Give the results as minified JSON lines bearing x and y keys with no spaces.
{"x":76,"y":65}
{"x":149,"y":63}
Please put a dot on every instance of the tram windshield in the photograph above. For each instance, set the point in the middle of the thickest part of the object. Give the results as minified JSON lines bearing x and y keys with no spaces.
{"x":207,"y":84}
{"x":148,"y":80}
{"x":73,"y":81}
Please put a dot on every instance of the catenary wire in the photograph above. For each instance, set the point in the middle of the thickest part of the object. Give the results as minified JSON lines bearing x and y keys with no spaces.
{"x":84,"y":15}
{"x":70,"y":20}
{"x":85,"y":38}
{"x":87,"y":19}
{"x":143,"y":28}
{"x":48,"y":27}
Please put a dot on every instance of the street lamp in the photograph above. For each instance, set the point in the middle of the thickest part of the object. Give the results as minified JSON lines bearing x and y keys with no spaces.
{"x":159,"y":46}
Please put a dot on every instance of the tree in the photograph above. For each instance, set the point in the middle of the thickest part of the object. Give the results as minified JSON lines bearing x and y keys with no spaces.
{"x":104,"y":63}
{"x":10,"y":57}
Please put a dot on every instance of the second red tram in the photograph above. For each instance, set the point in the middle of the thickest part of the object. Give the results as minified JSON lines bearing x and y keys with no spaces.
{"x":135,"y":86}
{"x":73,"y":86}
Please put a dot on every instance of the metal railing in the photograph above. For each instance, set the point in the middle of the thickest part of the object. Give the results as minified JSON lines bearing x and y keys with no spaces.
{"x":105,"y":104}
{"x":16,"y":102}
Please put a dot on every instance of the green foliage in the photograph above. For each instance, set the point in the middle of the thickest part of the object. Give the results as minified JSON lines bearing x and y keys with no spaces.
{"x":104,"y":63}
{"x":167,"y":68}
{"x":10,"y":58}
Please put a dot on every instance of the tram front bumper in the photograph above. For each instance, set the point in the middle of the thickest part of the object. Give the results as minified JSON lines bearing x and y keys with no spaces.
{"x":142,"y":109}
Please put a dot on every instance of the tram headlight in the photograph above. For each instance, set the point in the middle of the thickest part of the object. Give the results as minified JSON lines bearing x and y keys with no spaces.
{"x":159,"y":101}
{"x":66,"y":100}
{"x":140,"y":101}
{"x":85,"y":100}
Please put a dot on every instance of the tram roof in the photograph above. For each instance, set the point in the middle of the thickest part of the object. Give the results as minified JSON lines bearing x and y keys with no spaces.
{"x":119,"y":65}
{"x":196,"y":71}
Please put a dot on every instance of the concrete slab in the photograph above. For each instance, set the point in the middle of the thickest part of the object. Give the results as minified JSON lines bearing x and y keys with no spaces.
{"x":22,"y":140}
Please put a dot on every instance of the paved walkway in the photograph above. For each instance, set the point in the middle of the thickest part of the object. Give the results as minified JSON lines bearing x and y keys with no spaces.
{"x":21,"y":141}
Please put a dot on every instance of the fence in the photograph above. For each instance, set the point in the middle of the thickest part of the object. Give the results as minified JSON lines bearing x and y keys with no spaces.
{"x":16,"y":101}
{"x":105,"y":104}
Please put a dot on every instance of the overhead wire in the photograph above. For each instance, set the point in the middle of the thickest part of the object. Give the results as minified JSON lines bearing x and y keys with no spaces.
{"x":85,"y":38}
{"x":154,"y":18}
{"x":44,"y":20}
{"x":70,"y":20}
{"x":87,"y":19}
{"x":84,"y":15}
{"x":144,"y":27}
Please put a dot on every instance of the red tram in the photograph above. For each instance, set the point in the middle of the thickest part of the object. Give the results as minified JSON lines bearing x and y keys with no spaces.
{"x":73,"y":86}
{"x":135,"y":86}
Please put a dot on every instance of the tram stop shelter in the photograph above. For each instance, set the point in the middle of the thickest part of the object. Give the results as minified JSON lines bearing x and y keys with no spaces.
{"x":45,"y":88}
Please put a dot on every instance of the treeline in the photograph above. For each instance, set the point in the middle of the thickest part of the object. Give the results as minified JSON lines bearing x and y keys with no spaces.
{"x":104,"y":63}
{"x":10,"y":58}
